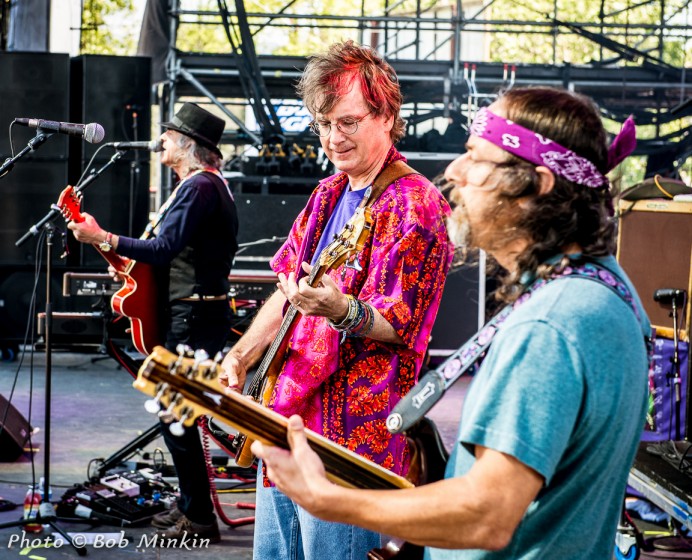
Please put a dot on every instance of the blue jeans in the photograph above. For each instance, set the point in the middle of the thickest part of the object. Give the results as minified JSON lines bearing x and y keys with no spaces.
{"x":284,"y":531}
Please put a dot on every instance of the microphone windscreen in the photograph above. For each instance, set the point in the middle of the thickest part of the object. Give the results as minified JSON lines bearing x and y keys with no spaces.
{"x":94,"y":133}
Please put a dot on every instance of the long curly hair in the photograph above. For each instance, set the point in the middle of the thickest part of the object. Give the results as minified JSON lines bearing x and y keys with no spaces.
{"x":327,"y":77}
{"x":570,"y":213}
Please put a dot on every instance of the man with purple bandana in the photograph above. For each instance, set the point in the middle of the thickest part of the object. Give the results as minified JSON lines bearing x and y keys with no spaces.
{"x":552,"y":419}
{"x":342,"y":374}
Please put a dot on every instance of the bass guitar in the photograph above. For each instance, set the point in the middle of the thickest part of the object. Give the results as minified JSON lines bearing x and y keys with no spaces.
{"x":344,"y":246}
{"x":186,"y":389}
{"x":136,"y":299}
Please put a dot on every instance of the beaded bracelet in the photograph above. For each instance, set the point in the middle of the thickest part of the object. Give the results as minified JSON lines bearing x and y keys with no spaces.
{"x":359,"y":320}
{"x":350,"y":315}
{"x":353,"y":316}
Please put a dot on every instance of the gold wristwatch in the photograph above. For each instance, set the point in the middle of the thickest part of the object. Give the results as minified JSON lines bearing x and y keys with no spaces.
{"x":105,"y":245}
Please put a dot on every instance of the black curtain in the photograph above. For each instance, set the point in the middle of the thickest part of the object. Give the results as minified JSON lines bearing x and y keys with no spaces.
{"x":155,"y":36}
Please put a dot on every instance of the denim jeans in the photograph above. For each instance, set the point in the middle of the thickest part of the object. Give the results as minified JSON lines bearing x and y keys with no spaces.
{"x":284,"y":531}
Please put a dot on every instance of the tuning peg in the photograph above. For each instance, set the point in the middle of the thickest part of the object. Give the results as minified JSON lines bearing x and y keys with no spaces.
{"x":178,"y":428}
{"x":168,"y":413}
{"x":152,"y":406}
{"x":200,"y":356}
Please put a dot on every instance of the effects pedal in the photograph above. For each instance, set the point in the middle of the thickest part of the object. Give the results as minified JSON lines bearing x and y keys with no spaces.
{"x":121,"y":484}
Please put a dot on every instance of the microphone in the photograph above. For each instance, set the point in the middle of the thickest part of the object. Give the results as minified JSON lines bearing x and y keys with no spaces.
{"x":152,"y":146}
{"x":92,"y":132}
{"x":667,"y":296}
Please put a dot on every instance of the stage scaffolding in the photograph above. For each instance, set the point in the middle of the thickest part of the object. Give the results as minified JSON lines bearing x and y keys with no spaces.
{"x":446,"y":55}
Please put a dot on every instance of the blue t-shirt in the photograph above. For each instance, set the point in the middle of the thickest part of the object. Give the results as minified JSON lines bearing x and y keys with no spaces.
{"x":343,"y":212}
{"x":563,"y":389}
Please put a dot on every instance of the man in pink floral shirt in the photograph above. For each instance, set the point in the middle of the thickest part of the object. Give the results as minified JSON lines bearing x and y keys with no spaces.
{"x":344,"y":381}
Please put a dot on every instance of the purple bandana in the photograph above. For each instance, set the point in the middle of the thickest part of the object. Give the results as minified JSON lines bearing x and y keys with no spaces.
{"x":539,"y":150}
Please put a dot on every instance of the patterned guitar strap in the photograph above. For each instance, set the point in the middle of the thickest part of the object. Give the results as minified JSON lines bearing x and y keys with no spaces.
{"x":428,"y":391}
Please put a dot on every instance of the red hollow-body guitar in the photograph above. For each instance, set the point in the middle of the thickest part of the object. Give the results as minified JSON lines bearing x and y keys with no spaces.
{"x":136,"y":299}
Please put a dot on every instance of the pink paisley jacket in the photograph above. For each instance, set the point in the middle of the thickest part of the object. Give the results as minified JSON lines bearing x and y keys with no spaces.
{"x":345,"y":390}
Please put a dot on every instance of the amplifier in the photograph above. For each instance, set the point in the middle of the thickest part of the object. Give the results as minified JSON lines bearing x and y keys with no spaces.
{"x":655,"y":249}
{"x":74,"y":327}
{"x":252,"y":284}
{"x":89,"y":284}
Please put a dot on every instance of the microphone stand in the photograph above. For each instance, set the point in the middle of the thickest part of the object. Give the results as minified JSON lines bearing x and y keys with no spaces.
{"x":46,"y":512}
{"x":675,"y":374}
{"x":55,"y":210}
{"x":135,"y":171}
{"x":36,"y":142}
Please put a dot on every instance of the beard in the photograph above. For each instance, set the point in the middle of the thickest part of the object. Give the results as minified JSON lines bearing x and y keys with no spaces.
{"x":459,"y":231}
{"x":493,"y":228}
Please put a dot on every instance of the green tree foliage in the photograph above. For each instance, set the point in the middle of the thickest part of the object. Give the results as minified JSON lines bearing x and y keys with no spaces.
{"x":108,"y":27}
{"x":557,"y":44}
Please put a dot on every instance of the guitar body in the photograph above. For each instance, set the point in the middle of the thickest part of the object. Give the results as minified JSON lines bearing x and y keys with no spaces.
{"x":428,"y":461}
{"x":136,"y":299}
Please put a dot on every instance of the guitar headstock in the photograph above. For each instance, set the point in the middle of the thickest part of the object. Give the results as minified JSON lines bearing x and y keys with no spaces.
{"x":70,"y":204}
{"x":172,"y":381}
{"x":350,"y":240}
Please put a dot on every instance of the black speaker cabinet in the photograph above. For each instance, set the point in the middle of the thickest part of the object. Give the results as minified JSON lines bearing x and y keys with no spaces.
{"x":28,"y":192}
{"x":655,"y":249}
{"x":114,"y":91}
{"x":119,"y":200}
{"x":14,"y":431}
{"x":33,"y":85}
{"x":457,"y":318}
{"x":260,"y":219}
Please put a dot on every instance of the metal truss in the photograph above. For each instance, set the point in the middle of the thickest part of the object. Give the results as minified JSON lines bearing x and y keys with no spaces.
{"x":633,"y":62}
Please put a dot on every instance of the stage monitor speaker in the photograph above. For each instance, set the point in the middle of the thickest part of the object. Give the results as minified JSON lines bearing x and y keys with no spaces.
{"x":655,"y":249}
{"x":33,"y":85}
{"x":14,"y":431}
{"x":114,"y":91}
{"x":28,"y":192}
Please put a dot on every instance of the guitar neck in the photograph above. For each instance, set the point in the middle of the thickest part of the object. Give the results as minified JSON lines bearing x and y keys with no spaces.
{"x":278,"y":342}
{"x":260,"y":423}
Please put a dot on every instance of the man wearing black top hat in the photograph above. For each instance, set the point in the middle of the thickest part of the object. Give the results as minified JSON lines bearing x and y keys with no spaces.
{"x":192,"y":242}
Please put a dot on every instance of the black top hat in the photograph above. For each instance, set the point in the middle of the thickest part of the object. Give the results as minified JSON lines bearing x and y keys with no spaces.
{"x":199,"y":124}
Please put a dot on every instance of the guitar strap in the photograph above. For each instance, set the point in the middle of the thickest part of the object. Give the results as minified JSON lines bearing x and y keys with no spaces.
{"x":427,"y":392}
{"x":394,"y":171}
{"x":152,"y":226}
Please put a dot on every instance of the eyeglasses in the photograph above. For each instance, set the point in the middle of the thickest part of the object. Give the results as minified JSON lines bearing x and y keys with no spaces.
{"x":347,"y":125}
